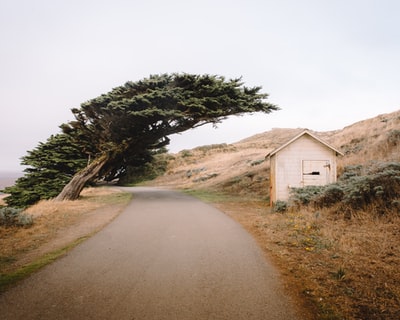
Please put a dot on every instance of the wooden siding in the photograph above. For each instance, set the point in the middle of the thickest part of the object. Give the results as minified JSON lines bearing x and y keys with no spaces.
{"x":287,"y":166}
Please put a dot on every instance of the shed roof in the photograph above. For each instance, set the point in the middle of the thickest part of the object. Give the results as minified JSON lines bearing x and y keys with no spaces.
{"x":305,"y":132}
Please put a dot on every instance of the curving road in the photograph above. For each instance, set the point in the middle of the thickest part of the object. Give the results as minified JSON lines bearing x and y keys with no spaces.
{"x":167,"y":256}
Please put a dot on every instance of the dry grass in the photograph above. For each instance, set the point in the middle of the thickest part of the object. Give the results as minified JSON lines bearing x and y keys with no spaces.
{"x":236,"y":167}
{"x":56,"y":224}
{"x":335,"y":268}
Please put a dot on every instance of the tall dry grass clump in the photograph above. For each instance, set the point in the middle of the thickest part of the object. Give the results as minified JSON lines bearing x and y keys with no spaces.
{"x":348,"y":268}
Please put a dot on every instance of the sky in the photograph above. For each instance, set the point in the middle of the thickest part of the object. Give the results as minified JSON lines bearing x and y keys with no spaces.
{"x":326,"y":63}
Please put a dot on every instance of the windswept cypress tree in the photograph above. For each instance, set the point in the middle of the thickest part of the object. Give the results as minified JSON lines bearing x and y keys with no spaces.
{"x":125,"y":127}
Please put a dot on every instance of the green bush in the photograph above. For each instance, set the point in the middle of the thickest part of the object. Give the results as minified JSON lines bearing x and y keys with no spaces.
{"x":207,"y":148}
{"x":14,"y":217}
{"x":393,"y":138}
{"x":380,"y":186}
{"x":375,"y":187}
{"x":186,"y":153}
{"x":280,"y":206}
{"x":304,"y":196}
{"x":351,"y":171}
{"x":145,"y":172}
{"x":329,"y":196}
{"x":257,"y":162}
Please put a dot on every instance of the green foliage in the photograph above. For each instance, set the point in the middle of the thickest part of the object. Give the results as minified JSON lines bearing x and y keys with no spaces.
{"x":120,"y":131}
{"x":351,"y":171}
{"x":148,"y":171}
{"x":51,"y":166}
{"x":329,"y":195}
{"x":14,"y":217}
{"x":210,"y":147}
{"x":186,"y":153}
{"x":394,"y":138}
{"x":257,"y":162}
{"x":375,"y":188}
{"x":131,"y":121}
{"x":304,"y":196}
{"x":280,"y":206}
{"x":125,"y":126}
{"x":380,"y":186}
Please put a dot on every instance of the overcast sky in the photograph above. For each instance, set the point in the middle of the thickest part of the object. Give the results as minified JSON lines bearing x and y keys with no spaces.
{"x":325,"y":63}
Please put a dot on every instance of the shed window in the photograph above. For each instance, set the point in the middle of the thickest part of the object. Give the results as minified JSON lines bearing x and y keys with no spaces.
{"x":313,"y":173}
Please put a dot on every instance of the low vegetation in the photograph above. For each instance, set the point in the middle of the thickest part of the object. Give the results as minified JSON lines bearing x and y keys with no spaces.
{"x":147,"y":171}
{"x":372,"y":188}
{"x":12,"y":217}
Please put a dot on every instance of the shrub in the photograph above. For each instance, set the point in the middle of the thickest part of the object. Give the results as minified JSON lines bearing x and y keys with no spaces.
{"x":304,"y":196}
{"x":375,"y":188}
{"x":393,"y":138}
{"x":207,"y":148}
{"x":14,"y":217}
{"x":257,"y":162}
{"x":186,"y":153}
{"x":280,"y":206}
{"x":329,"y":196}
{"x":145,"y":172}
{"x":350,"y":172}
{"x":205,"y":177}
{"x":380,"y":187}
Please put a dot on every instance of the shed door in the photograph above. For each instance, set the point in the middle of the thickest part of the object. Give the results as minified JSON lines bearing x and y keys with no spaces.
{"x":316,"y":172}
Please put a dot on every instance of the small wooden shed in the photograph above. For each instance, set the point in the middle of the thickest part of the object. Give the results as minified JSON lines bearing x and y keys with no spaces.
{"x":305,"y":160}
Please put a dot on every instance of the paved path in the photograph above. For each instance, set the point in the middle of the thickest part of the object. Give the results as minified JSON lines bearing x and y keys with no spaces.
{"x":167,"y":256}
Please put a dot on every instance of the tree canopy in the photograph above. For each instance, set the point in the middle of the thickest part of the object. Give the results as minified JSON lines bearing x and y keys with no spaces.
{"x":51,"y":165}
{"x":126,"y":125}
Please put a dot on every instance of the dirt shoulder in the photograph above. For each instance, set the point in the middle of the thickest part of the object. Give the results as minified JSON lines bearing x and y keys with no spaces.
{"x":58,"y":225}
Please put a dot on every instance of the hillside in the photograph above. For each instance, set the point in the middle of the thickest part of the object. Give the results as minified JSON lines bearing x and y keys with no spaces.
{"x":241,"y":167}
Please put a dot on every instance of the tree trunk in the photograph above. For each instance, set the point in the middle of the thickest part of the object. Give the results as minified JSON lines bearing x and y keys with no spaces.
{"x":74,"y":188}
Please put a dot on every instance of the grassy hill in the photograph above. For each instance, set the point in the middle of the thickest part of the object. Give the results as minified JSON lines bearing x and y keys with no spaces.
{"x":241,"y":167}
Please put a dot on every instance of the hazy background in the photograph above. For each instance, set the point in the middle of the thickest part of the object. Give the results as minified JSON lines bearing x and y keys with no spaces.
{"x":326,"y":63}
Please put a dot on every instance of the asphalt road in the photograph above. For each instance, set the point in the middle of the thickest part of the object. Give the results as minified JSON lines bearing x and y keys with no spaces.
{"x":167,"y":256}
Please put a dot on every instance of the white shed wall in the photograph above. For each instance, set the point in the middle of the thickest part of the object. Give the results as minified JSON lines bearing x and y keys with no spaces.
{"x":288,"y":170}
